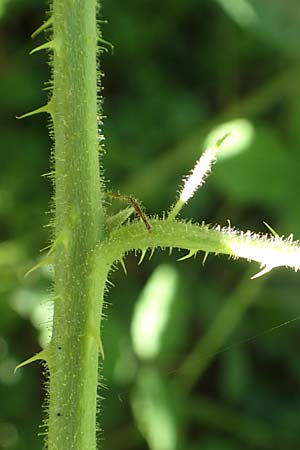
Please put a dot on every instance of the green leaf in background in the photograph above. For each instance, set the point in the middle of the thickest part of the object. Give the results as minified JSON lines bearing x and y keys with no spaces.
{"x":272,"y":20}
{"x":235,"y":375}
{"x":154,"y":411}
{"x":157,"y":319}
{"x":258,"y":175}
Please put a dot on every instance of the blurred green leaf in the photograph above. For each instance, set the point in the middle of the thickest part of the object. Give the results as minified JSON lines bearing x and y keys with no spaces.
{"x":235,"y":375}
{"x":258,"y":175}
{"x":153,"y":408}
{"x":157,"y":320}
{"x":277,"y":21}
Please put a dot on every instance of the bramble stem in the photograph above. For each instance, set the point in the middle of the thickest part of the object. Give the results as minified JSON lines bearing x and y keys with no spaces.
{"x":268,"y":251}
{"x":72,"y":354}
{"x":198,"y":175}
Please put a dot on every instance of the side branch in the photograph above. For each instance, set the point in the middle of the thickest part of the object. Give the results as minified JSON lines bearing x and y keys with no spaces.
{"x":268,"y":251}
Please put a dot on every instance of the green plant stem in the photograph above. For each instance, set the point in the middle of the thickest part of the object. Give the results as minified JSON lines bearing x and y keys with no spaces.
{"x":270,"y":251}
{"x":72,"y":354}
{"x":176,"y":209}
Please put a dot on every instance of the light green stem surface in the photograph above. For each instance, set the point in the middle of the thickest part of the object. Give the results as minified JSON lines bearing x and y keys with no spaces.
{"x":269,"y":252}
{"x":72,"y":355}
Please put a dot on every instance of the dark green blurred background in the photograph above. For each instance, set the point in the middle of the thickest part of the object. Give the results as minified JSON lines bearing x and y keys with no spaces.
{"x":193,"y":359}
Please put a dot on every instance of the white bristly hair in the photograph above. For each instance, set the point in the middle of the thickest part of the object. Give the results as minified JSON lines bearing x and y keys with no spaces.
{"x":197,"y":177}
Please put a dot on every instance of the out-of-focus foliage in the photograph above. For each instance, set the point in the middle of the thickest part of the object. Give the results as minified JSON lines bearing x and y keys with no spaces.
{"x":213,"y":373}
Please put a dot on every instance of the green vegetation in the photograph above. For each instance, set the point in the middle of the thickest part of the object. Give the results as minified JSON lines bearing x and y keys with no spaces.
{"x":158,"y":344}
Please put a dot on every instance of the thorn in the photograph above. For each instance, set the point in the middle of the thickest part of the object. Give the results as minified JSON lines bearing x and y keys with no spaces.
{"x":51,"y":247}
{"x":60,"y":239}
{"x":48,"y":258}
{"x":271,"y":229}
{"x":119,"y":218}
{"x":46,"y":108}
{"x":189,"y":255}
{"x":36,"y":357}
{"x":100,"y":347}
{"x":45,"y":46}
{"x":42,"y":27}
{"x":205,"y":258}
{"x":144,"y":251}
{"x":265,"y":270}
{"x":151,"y":253}
{"x":123,"y":267}
{"x":42,"y":263}
{"x":97,"y":337}
{"x":170,"y":251}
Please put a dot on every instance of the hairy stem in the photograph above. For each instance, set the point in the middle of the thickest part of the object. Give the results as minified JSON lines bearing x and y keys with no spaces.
{"x":270,"y":251}
{"x":72,"y":354}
